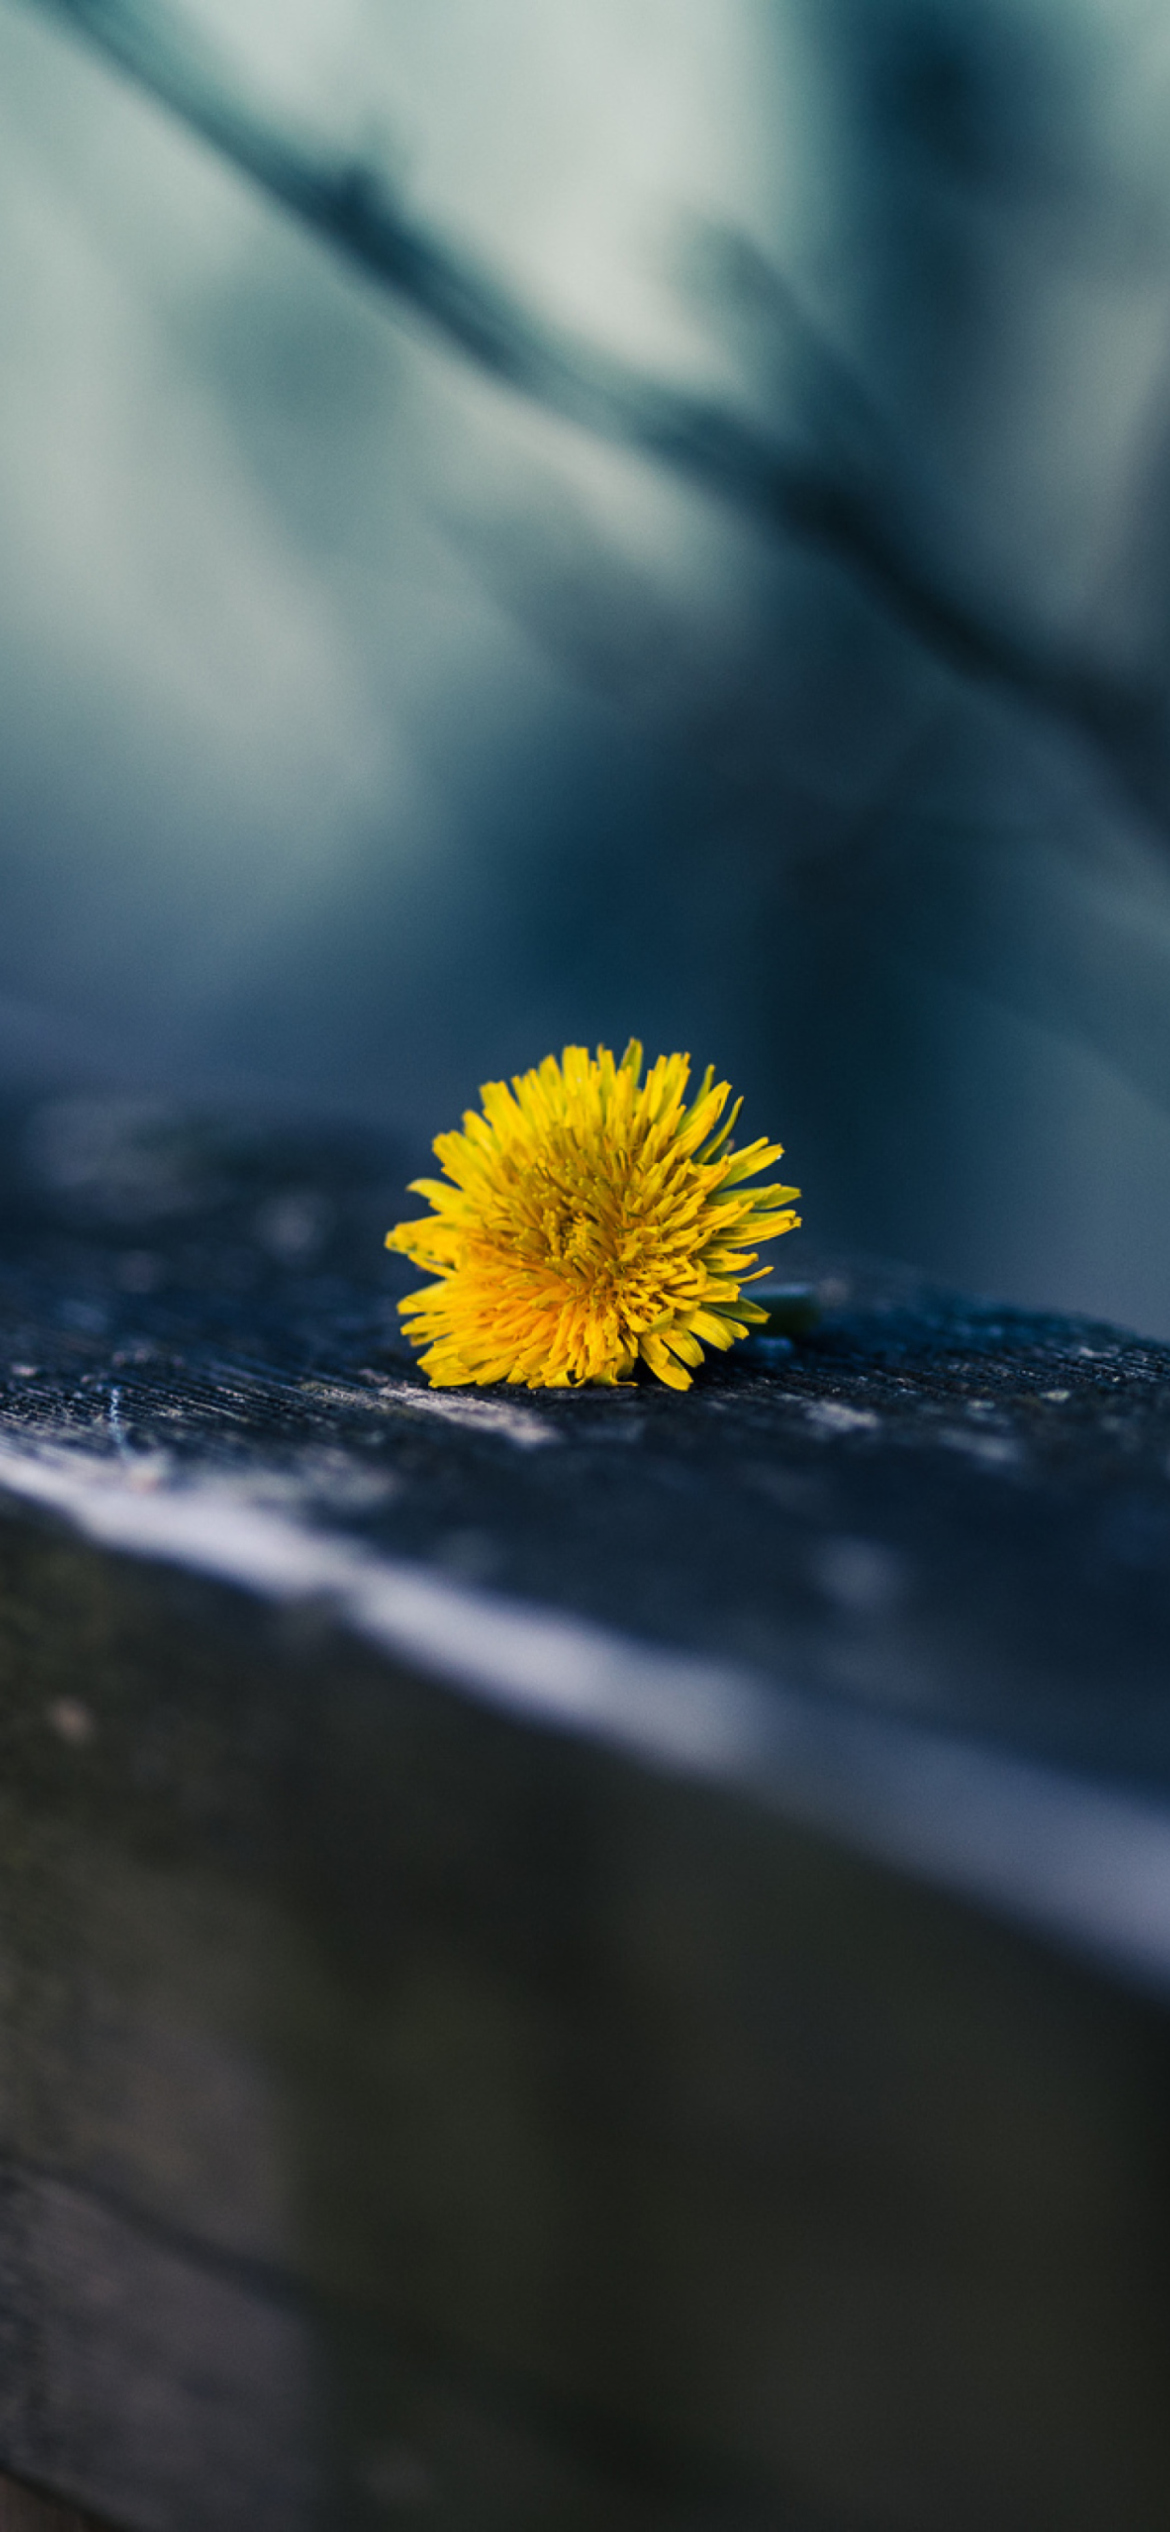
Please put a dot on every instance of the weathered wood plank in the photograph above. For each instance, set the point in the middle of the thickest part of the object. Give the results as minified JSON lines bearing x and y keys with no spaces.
{"x":571,"y":1959}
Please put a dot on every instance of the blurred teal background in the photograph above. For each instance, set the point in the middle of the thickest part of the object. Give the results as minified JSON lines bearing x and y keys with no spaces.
{"x":366,"y":731}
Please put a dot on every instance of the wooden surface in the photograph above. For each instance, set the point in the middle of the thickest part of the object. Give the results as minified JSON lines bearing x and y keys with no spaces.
{"x":573,"y":1959}
{"x":21,"y":2510}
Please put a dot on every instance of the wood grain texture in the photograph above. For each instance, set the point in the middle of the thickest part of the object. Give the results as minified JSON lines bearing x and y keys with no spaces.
{"x":569,"y":1959}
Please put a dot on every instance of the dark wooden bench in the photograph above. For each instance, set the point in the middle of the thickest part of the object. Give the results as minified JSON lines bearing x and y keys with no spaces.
{"x":590,"y":1959}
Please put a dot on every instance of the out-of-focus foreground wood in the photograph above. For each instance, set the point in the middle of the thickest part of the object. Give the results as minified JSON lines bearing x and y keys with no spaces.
{"x":21,"y":2510}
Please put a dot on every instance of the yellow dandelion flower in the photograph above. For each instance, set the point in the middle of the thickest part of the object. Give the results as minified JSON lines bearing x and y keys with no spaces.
{"x":588,"y":1217}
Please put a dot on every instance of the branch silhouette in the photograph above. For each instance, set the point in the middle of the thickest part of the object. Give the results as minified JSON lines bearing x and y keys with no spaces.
{"x":867,"y":515}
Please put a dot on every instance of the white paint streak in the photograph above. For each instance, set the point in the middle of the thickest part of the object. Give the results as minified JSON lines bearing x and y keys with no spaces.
{"x":485,"y":1415}
{"x":1087,"y":1865}
{"x":831,"y":1415}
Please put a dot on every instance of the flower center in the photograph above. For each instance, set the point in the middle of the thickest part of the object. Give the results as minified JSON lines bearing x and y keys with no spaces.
{"x":573,"y":1238}
{"x":585,"y":1235}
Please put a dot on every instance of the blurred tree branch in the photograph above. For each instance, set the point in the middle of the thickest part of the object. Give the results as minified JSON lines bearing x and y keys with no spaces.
{"x":856,"y":503}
